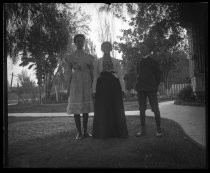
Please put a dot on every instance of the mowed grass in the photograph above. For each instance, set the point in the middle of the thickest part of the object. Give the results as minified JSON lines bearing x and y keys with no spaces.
{"x":48,"y":142}
{"x":53,"y":108}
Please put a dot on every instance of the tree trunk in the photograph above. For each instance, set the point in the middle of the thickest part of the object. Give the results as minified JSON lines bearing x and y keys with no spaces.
{"x":40,"y":95}
{"x":62,"y":92}
{"x":167,"y":84}
{"x":18,"y":93}
{"x":48,"y":86}
{"x":46,"y":81}
{"x":56,"y":92}
{"x":45,"y":86}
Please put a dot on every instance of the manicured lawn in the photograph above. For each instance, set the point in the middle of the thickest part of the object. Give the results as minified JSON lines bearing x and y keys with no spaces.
{"x":49,"y":142}
{"x":37,"y":108}
{"x":50,"y":108}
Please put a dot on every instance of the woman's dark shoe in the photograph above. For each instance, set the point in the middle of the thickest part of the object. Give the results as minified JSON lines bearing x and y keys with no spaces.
{"x":158,"y":134}
{"x":86,"y":135}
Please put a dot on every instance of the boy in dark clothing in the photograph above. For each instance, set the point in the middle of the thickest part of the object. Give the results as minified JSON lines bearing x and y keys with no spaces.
{"x":148,"y":79}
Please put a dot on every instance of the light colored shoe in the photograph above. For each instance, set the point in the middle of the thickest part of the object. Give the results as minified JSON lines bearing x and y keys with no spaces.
{"x":141,"y":133}
{"x":87,"y":135}
{"x":78,"y":137}
{"x":158,"y":134}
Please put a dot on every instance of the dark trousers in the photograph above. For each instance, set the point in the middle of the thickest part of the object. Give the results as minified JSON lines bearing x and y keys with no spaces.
{"x":142,"y":99}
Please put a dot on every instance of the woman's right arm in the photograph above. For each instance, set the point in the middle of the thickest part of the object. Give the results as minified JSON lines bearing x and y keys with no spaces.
{"x":95,"y":75}
{"x":67,"y":72}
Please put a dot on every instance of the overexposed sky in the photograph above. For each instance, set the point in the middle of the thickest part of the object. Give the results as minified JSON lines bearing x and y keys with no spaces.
{"x":88,"y":8}
{"x":92,"y":9}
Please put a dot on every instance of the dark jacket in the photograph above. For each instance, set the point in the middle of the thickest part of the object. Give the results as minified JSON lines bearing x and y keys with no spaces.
{"x":148,"y":75}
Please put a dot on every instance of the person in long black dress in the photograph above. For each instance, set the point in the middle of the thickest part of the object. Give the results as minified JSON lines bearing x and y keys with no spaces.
{"x":108,"y":89}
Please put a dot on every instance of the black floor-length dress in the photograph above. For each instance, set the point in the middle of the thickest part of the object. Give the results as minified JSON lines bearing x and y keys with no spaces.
{"x":109,"y":116}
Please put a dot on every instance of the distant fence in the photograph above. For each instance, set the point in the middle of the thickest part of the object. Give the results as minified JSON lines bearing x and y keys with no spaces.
{"x":33,"y":97}
{"x":175,"y":89}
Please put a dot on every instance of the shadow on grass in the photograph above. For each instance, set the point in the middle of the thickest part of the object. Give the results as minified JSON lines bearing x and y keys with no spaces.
{"x":49,"y":143}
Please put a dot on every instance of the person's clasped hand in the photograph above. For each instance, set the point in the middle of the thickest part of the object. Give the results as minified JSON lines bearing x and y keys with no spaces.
{"x":94,"y":95}
{"x":123,"y":94}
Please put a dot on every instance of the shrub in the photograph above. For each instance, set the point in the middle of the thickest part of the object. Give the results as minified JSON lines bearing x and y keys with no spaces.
{"x":29,"y":100}
{"x":62,"y":98}
{"x":129,"y":96}
{"x":186,"y":94}
{"x":178,"y":102}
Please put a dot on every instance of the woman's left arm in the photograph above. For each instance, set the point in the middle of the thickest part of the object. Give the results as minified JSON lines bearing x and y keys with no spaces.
{"x":95,"y":75}
{"x":120,"y":75}
{"x":91,"y":68}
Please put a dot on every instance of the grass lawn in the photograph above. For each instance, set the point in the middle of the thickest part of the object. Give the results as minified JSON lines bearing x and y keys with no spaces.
{"x":50,"y":108}
{"x":49,"y":142}
{"x":53,"y":108}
